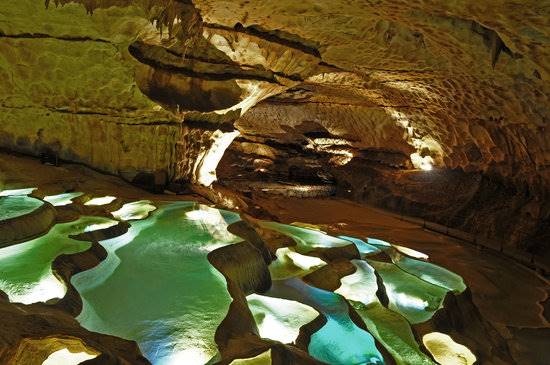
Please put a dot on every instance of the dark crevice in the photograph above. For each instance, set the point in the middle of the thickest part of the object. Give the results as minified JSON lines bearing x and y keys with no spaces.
{"x":268,"y":36}
{"x":230,"y":63}
{"x":47,"y":36}
{"x":279,"y":101}
{"x":139,"y":55}
{"x":66,"y":111}
{"x":493,"y":41}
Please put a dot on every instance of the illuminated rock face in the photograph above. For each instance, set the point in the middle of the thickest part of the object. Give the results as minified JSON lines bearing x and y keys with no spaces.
{"x":456,"y":79}
{"x":101,"y":90}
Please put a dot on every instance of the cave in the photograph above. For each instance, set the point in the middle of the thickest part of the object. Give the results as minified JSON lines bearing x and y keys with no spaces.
{"x":199,"y":182}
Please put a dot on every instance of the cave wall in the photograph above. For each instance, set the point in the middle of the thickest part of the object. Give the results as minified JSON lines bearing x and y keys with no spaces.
{"x":112,"y":86}
{"x":462,"y":85}
{"x":68,"y":88}
{"x":130,"y":87}
{"x":468,"y":82}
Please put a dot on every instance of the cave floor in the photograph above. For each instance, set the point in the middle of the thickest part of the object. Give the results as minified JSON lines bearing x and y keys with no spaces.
{"x":512,"y":297}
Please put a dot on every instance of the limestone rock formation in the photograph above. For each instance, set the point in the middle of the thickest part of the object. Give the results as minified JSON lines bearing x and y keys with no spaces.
{"x":156,"y":90}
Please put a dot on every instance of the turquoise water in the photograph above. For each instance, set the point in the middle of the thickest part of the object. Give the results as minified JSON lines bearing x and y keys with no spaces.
{"x":290,"y":264}
{"x":413,"y":298}
{"x":279,"y":319}
{"x":389,"y":327}
{"x":339,"y":341}
{"x":429,"y":272}
{"x":394,"y":332}
{"x":306,"y":239}
{"x":360,"y":286}
{"x":378,"y":243}
{"x":364,"y":248}
{"x":16,"y":206}
{"x":26,"y":268}
{"x":134,"y":211}
{"x":16,"y":192}
{"x":157,"y":287}
{"x":62,"y":199}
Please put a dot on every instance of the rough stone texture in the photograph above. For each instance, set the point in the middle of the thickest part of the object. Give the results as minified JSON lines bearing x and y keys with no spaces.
{"x":68,"y":88}
{"x":461,"y":84}
{"x":111,"y":91}
{"x":28,"y":333}
{"x":465,"y":83}
{"x":466,"y":79}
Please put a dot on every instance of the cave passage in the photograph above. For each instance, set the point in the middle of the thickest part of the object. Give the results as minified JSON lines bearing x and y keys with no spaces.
{"x":274,"y":182}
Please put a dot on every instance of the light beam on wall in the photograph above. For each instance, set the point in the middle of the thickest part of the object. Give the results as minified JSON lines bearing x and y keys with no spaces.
{"x":66,"y":357}
{"x":424,"y":163}
{"x":208,"y":160}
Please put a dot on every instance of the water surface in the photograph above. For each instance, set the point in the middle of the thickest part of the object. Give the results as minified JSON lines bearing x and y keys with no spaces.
{"x":26,"y":268}
{"x":157,"y":286}
{"x":17,"y":206}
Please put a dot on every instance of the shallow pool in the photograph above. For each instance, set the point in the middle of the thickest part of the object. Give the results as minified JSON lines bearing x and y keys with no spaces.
{"x":17,"y":206}
{"x":26,"y":268}
{"x":413,"y":298}
{"x":339,"y":341}
{"x":157,"y":286}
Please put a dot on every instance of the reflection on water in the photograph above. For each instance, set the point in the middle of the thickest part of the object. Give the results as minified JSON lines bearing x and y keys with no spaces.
{"x":365,"y":249}
{"x":306,"y":239}
{"x":158,"y":288}
{"x":394,"y":332}
{"x":415,"y":299}
{"x":279,"y":319}
{"x":360,"y":286}
{"x":16,"y":206}
{"x":62,"y":199}
{"x":26,"y":269}
{"x":15,"y":192}
{"x":446,"y":351}
{"x":339,"y":341}
{"x":410,"y":252}
{"x":291,"y":264}
{"x":103,"y":200}
{"x":415,"y":290}
{"x":134,"y":210}
{"x":389,"y":327}
{"x":429,"y":272}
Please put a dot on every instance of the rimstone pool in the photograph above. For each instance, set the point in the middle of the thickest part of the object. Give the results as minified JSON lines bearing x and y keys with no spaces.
{"x":16,"y":206}
{"x":156,"y":286}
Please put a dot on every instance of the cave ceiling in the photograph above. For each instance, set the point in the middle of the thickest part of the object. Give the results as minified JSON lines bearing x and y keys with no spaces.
{"x":462,"y":83}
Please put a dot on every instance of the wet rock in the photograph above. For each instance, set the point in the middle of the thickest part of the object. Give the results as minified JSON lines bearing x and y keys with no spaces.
{"x":28,"y":226}
{"x":460,"y":318}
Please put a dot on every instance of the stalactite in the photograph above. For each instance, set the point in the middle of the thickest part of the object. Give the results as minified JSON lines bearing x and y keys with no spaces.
{"x":180,"y":18}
